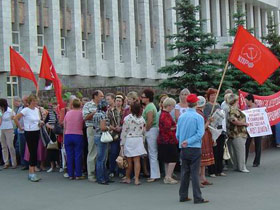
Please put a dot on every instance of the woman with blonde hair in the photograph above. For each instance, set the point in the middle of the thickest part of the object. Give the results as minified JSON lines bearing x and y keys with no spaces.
{"x":182,"y":106}
{"x":32,"y":122}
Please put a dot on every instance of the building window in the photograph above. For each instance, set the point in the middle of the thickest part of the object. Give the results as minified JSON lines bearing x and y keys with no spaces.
{"x":12,"y":84}
{"x":16,"y":41}
{"x":40,"y":43}
{"x":63,"y":46}
{"x":84,"y":48}
{"x":103,"y":50}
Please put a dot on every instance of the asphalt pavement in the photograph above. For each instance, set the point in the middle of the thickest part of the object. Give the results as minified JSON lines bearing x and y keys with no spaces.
{"x":258,"y":190}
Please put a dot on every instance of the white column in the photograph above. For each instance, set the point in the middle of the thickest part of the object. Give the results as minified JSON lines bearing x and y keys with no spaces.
{"x":94,"y":39}
{"x":215,"y":17}
{"x":264,"y":22}
{"x":170,"y":25}
{"x":233,"y":10}
{"x":52,"y":35}
{"x":277,"y":21}
{"x":145,"y":44}
{"x":74,"y":39}
{"x":28,"y":35}
{"x":258,"y":24}
{"x":129,"y":44}
{"x":225,"y":20}
{"x":159,"y":47}
{"x":112,"y":43}
{"x":205,"y":15}
{"x":250,"y":16}
{"x":196,"y":3}
{"x":5,"y":37}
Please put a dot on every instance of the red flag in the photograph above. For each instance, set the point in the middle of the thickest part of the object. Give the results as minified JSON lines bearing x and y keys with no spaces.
{"x":19,"y":67}
{"x":48,"y":72}
{"x":252,"y":57}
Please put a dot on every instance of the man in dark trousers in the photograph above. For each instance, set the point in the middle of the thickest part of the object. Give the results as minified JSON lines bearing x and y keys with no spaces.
{"x":190,"y":130}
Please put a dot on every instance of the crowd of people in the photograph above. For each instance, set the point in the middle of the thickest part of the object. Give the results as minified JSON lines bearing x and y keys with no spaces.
{"x":150,"y":142}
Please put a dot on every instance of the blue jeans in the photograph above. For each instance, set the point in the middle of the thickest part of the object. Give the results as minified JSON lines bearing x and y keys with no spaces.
{"x":74,"y":149}
{"x":114,"y":153}
{"x":101,"y":171}
{"x":22,"y":143}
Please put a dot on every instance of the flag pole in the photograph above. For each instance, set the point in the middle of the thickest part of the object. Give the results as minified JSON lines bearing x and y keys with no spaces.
{"x":220,"y":86}
{"x":37,"y":89}
{"x":12,"y":92}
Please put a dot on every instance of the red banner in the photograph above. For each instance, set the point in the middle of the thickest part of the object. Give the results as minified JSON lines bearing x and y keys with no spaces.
{"x":272,"y":104}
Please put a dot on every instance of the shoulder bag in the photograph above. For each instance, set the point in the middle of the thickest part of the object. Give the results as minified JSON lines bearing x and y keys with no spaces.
{"x":106,"y":137}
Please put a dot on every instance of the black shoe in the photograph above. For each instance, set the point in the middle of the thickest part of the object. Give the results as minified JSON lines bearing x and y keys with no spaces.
{"x":256,"y":165}
{"x":25,"y":168}
{"x":103,"y":183}
{"x":110,"y":181}
{"x":185,"y":199}
{"x":201,"y":201}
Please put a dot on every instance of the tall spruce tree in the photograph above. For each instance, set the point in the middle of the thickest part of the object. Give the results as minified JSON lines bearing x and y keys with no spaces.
{"x":235,"y":79}
{"x":273,"y":41}
{"x":194,"y":66}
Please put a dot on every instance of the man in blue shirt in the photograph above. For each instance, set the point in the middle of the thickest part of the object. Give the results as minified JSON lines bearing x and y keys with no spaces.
{"x":190,"y":130}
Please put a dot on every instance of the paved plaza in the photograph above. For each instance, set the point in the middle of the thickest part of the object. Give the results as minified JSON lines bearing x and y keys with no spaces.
{"x":258,"y":190}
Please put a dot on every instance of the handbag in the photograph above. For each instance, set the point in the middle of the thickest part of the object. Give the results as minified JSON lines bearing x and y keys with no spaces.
{"x":44,"y":135}
{"x":58,"y":129}
{"x":43,"y":132}
{"x":52,"y":145}
{"x":121,"y":160}
{"x":226,"y":155}
{"x":106,"y":137}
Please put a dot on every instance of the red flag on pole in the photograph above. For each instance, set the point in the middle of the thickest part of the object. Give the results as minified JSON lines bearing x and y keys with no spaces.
{"x":252,"y":57}
{"x":19,"y":67}
{"x":48,"y":72}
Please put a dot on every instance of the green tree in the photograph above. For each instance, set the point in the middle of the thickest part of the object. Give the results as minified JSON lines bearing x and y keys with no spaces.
{"x":273,"y":41}
{"x":194,"y":66}
{"x":235,"y":79}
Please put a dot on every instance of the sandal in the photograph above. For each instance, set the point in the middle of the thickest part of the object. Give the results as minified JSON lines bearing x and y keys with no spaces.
{"x":137,"y":183}
{"x":149,"y":180}
{"x":125,"y":181}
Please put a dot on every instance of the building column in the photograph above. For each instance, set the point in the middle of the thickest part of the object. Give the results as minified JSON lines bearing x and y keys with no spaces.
{"x":53,"y":35}
{"x":28,"y":36}
{"x":216,"y":18}
{"x":206,"y":15}
{"x":225,"y":20}
{"x":264,"y":20}
{"x":5,"y":37}
{"x":257,"y":20}
{"x":159,"y":47}
{"x":171,"y":28}
{"x":74,"y":39}
{"x":145,"y":44}
{"x":129,"y":43}
{"x":94,"y":40}
{"x":250,"y":16}
{"x":112,"y":43}
{"x":277,"y":21}
{"x":233,"y":10}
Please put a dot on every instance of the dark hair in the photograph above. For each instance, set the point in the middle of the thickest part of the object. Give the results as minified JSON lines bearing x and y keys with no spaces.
{"x":250,"y":97}
{"x":149,"y":93}
{"x":95,"y":93}
{"x":112,"y":95}
{"x":135,"y":109}
{"x":76,"y":103}
{"x":121,"y":96}
{"x":3,"y":104}
{"x":102,"y":105}
{"x":192,"y":105}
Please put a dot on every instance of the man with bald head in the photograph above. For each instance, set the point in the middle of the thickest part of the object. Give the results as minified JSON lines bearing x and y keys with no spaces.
{"x":89,"y":111}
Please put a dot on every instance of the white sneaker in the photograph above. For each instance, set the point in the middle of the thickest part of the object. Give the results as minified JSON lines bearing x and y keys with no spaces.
{"x":65,"y":175}
{"x":50,"y":170}
{"x":245,"y":171}
{"x":61,"y":170}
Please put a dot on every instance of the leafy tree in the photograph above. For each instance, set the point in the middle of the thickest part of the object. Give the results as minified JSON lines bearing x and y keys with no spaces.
{"x":194,"y":66}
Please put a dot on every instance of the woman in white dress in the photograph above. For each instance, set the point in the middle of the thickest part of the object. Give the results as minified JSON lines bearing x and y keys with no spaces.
{"x":181,"y":107}
{"x":132,"y":141}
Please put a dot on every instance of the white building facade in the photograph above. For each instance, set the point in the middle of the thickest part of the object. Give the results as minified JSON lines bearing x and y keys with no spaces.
{"x":97,"y":43}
